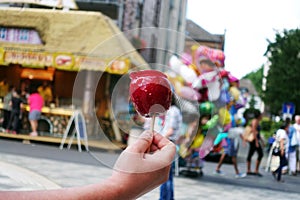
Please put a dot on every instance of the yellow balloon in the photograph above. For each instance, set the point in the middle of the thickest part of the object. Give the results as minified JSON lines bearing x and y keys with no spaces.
{"x":198,"y":140}
{"x":234,"y":92}
{"x":180,"y":79}
{"x":224,"y":116}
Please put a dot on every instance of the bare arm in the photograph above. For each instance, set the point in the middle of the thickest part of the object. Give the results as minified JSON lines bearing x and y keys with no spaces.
{"x":135,"y":173}
{"x":243,"y":139}
{"x":281,"y":147}
{"x":169,"y":132}
{"x":21,"y":105}
{"x":254,"y":125}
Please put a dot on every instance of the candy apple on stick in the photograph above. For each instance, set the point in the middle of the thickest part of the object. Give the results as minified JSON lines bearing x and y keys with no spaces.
{"x":150,"y":93}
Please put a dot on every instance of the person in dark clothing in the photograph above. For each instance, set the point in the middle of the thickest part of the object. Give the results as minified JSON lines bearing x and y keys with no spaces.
{"x":16,"y":108}
{"x":7,"y":106}
{"x":255,"y":145}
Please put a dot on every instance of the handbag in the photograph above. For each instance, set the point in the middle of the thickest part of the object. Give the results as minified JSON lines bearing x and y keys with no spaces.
{"x":276,"y":151}
{"x":276,"y":148}
{"x":248,"y":134}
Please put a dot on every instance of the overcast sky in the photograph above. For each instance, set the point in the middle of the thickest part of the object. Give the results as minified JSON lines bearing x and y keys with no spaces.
{"x":247,"y":25}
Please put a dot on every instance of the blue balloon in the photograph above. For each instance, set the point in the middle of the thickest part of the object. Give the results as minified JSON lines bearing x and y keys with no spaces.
{"x":220,"y":137}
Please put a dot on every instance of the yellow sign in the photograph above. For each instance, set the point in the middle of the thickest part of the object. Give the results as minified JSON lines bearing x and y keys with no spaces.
{"x":89,"y":63}
{"x":119,"y":66}
{"x":27,"y":58}
{"x":64,"y":61}
{"x":1,"y":55}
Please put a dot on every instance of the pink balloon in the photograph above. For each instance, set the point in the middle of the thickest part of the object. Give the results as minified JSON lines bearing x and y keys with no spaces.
{"x":186,"y":58}
{"x":215,"y":55}
{"x":190,"y":93}
{"x":232,"y":78}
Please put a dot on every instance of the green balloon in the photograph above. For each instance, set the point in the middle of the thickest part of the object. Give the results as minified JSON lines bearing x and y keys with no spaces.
{"x":206,"y":108}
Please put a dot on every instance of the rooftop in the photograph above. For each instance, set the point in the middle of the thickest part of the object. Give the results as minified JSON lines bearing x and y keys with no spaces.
{"x":197,"y":33}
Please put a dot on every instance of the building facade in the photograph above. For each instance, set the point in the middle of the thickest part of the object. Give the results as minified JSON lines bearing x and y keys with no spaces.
{"x":163,"y":27}
{"x":195,"y":34}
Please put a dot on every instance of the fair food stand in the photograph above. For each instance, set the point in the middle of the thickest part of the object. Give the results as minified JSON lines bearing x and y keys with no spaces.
{"x":70,"y":50}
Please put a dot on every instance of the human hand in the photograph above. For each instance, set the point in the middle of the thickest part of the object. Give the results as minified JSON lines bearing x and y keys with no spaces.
{"x":137,"y":172}
{"x":282,"y":152}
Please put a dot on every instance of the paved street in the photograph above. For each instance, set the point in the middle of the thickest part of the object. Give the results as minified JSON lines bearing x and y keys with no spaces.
{"x":40,"y":166}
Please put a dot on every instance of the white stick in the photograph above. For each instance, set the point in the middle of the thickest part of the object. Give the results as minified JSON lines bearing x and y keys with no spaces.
{"x":152,"y":129}
{"x":152,"y":124}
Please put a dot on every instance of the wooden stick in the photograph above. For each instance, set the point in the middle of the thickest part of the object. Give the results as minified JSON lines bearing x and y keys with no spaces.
{"x":152,"y":129}
{"x":152,"y":124}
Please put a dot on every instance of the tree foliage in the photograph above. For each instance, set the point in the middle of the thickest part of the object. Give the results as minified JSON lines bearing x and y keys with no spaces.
{"x":256,"y":79}
{"x":283,"y":80}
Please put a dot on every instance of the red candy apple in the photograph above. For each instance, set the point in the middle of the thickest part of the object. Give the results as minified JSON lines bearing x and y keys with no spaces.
{"x":150,"y":92}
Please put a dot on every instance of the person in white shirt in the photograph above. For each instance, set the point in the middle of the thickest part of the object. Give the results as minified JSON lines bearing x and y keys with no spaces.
{"x":297,"y":127}
{"x":282,"y":137}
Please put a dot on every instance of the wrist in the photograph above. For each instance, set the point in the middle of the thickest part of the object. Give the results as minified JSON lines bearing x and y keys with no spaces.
{"x":112,"y":188}
{"x":119,"y":185}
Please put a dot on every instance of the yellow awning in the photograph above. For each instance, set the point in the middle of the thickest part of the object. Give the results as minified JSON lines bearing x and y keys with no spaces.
{"x":72,"y":40}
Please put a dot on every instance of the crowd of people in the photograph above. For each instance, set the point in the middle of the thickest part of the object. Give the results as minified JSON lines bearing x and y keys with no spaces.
{"x":285,"y":149}
{"x":15,"y":100}
{"x":170,"y":125}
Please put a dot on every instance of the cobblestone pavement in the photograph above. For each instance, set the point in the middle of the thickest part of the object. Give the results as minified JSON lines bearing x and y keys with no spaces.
{"x":28,"y":173}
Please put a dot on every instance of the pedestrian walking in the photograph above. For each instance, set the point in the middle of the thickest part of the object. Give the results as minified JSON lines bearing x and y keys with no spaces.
{"x":255,"y":145}
{"x":231,"y":149}
{"x":230,"y":142}
{"x":282,"y":139}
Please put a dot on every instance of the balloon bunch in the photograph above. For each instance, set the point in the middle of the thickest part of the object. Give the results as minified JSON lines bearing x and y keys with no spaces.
{"x":201,"y":77}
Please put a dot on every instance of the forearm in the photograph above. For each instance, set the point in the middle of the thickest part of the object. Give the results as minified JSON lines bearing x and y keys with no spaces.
{"x":282,"y":147}
{"x":255,"y":135}
{"x":105,"y":190}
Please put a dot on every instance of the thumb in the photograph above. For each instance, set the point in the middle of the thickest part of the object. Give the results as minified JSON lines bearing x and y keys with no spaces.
{"x":142,"y":144}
